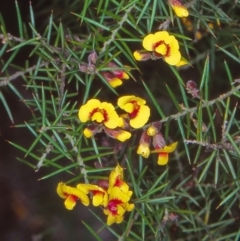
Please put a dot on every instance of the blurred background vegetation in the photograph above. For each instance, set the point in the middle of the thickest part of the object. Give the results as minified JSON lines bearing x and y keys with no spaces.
{"x":41,"y":90}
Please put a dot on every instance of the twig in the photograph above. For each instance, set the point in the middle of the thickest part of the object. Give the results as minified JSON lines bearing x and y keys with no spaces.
{"x":79,"y":158}
{"x":10,"y":37}
{"x":115,"y":31}
{"x":5,"y":81}
{"x":218,"y":146}
{"x":205,"y":104}
{"x":48,"y":149}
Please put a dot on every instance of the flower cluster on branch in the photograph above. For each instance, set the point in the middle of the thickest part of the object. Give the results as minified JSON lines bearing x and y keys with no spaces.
{"x":112,"y":195}
{"x":103,"y":117}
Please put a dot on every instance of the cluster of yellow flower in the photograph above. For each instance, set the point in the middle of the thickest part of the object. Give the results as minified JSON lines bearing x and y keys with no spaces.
{"x":103,"y":117}
{"x":158,"y":142}
{"x":113,"y":195}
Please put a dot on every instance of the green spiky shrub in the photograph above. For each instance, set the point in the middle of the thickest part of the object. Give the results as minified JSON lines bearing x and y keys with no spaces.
{"x":196,"y":195}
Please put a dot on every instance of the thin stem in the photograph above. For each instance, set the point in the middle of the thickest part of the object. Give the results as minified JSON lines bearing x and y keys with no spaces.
{"x":115,"y":31}
{"x":5,"y":81}
{"x":205,"y":104}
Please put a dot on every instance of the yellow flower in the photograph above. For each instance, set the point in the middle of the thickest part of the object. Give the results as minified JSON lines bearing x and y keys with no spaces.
{"x":138,"y":112}
{"x":100,"y":196}
{"x":164,"y":46}
{"x":117,"y":205}
{"x":163,"y":153}
{"x":179,"y":9}
{"x":143,"y":148}
{"x":154,"y":128}
{"x":119,"y":73}
{"x":115,"y":75}
{"x":99,"y":112}
{"x":112,"y":79}
{"x":118,"y":134}
{"x":72,"y":194}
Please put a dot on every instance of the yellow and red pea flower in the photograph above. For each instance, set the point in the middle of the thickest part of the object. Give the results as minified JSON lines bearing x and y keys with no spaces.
{"x":119,"y":73}
{"x":115,"y":75}
{"x":138,"y":112}
{"x":118,"y":134}
{"x":112,"y":79}
{"x":179,"y":9}
{"x":114,"y":196}
{"x":163,"y":46}
{"x":118,"y":204}
{"x":144,"y":143}
{"x":163,"y":153}
{"x":99,"y":112}
{"x":72,"y":194}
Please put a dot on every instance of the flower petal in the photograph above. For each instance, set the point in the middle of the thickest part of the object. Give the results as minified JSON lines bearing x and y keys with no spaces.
{"x":118,"y":134}
{"x":141,"y":118}
{"x":112,"y":118}
{"x":116,"y":175}
{"x":111,"y":219}
{"x":123,"y":135}
{"x":98,"y":117}
{"x":143,"y":150}
{"x":162,"y":158}
{"x":167,"y":149}
{"x":161,"y":49}
{"x":173,"y":58}
{"x":148,"y":42}
{"x":85,"y":110}
{"x":180,"y":10}
{"x":130,"y":207}
{"x":115,"y":82}
{"x":70,"y":202}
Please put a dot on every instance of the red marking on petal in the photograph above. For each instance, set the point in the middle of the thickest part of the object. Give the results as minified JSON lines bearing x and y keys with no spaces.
{"x":119,"y":74}
{"x":163,"y":154}
{"x":93,"y":112}
{"x":105,"y":115}
{"x":155,"y":45}
{"x":113,"y":206}
{"x":73,"y":197}
{"x":134,"y":113}
{"x":118,"y":182}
